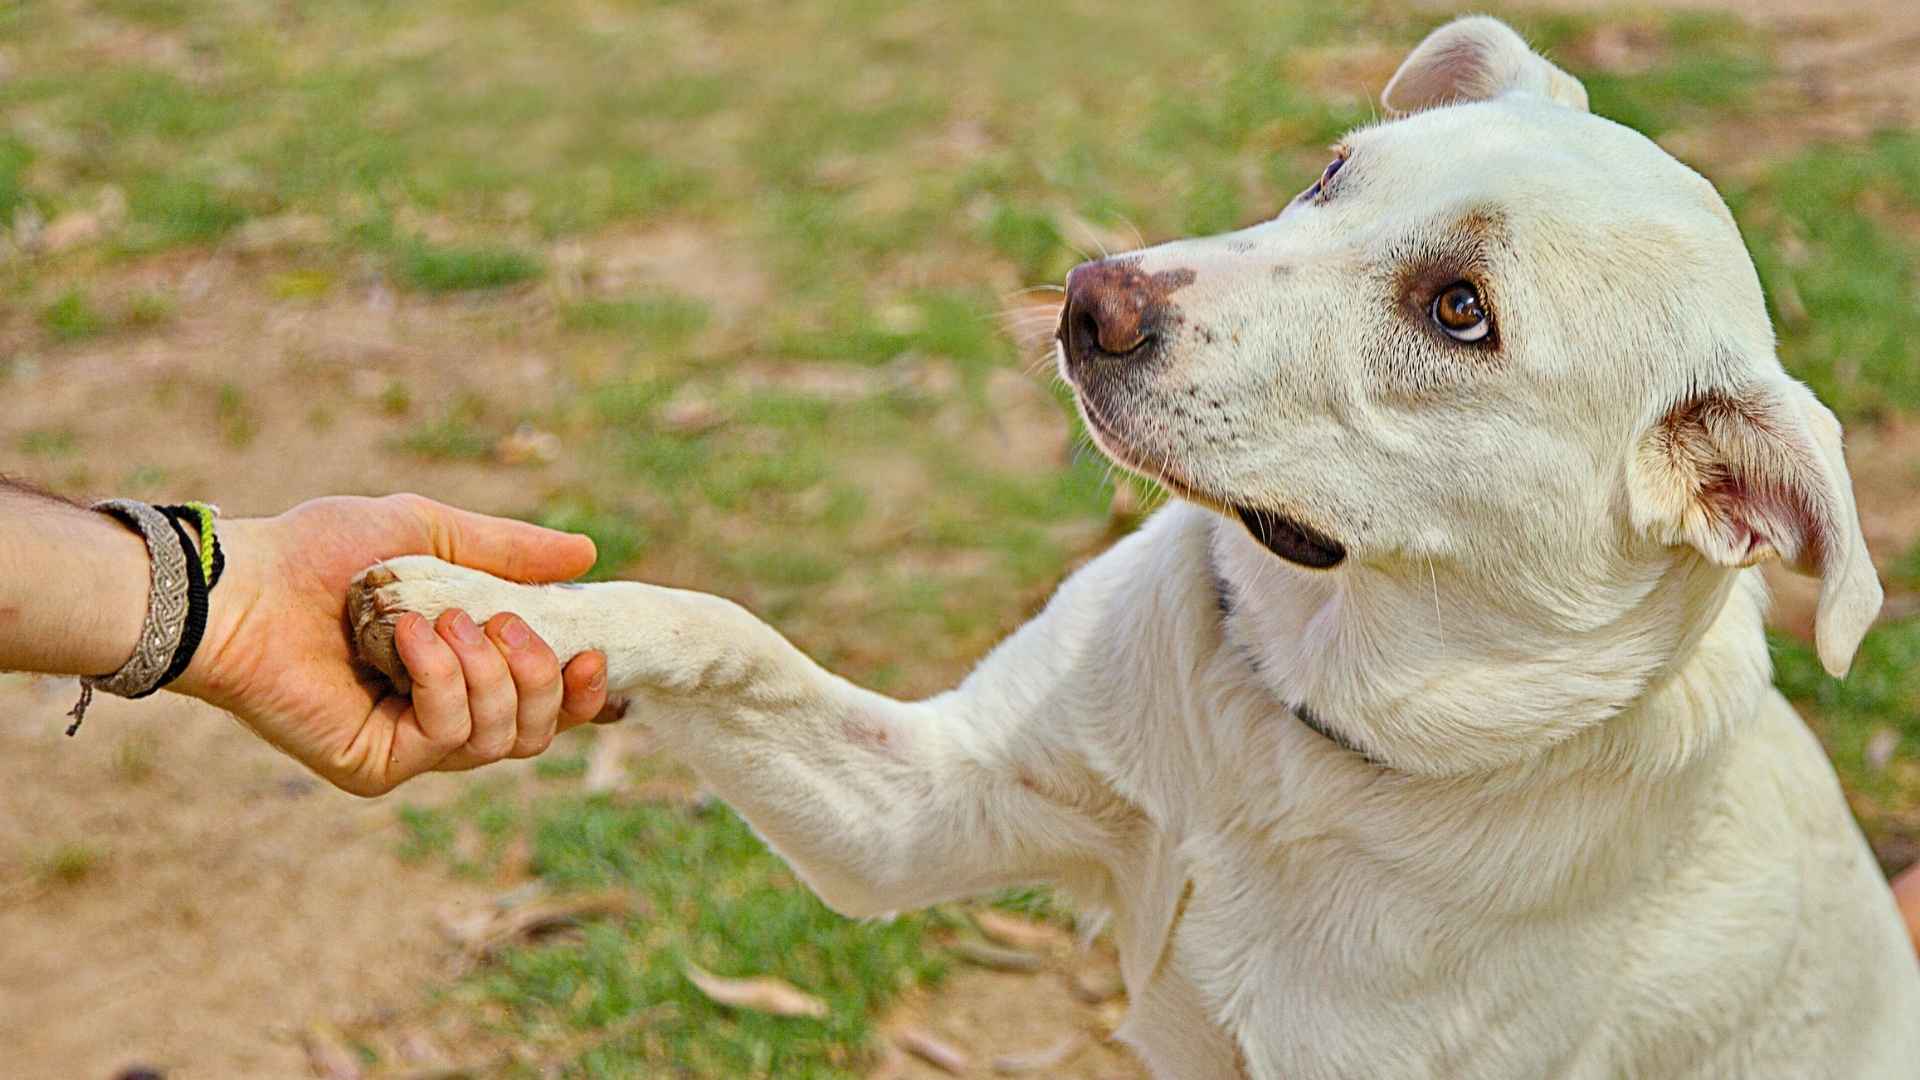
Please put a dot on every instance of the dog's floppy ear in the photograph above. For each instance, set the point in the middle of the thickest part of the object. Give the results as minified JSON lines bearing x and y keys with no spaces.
{"x":1474,"y":59}
{"x":1754,"y":473}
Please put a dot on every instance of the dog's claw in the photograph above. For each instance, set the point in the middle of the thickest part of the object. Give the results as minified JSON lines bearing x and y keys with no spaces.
{"x":371,"y":620}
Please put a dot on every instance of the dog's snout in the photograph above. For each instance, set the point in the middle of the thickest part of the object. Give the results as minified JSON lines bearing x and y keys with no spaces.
{"x":1114,"y":309}
{"x":1107,"y":309}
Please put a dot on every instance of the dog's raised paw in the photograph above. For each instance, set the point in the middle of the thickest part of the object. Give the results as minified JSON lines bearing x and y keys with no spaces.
{"x":421,"y":584}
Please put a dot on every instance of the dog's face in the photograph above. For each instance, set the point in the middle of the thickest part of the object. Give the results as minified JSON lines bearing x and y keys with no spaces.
{"x":1500,"y":341}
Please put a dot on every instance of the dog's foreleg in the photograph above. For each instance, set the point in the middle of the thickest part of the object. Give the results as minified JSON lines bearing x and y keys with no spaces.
{"x":879,"y":804}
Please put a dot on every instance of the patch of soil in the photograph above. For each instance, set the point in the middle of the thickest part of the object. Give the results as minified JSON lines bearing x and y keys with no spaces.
{"x":1003,"y":1019}
{"x":179,"y":895}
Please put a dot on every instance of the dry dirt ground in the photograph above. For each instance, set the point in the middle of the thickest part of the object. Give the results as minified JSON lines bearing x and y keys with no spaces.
{"x":162,"y":876}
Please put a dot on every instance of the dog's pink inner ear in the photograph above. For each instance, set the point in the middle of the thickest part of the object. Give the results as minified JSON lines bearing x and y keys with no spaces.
{"x":1475,"y":59}
{"x":1755,"y":487}
{"x":1743,"y":477}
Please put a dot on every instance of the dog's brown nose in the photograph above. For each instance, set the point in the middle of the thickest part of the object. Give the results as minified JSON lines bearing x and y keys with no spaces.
{"x":1113,"y":309}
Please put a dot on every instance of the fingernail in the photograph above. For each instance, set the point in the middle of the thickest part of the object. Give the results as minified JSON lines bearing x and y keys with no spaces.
{"x":598,"y":682}
{"x":515,"y":633}
{"x":464,"y":629}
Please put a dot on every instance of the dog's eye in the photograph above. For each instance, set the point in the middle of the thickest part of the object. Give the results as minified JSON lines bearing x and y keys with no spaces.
{"x":1319,"y":187}
{"x":1458,"y":312}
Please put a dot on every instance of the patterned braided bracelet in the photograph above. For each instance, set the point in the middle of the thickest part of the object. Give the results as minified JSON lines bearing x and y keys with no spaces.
{"x":185,"y":562}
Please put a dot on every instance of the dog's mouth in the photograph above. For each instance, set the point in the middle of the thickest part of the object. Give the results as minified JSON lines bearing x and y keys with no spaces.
{"x":1291,"y":540}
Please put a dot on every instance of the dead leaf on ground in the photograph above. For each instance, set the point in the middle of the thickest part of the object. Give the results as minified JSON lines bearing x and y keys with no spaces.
{"x":1020,"y":933}
{"x":328,"y":1054}
{"x":1093,"y":986}
{"x":761,"y":993}
{"x":555,"y":1059}
{"x":1041,"y":1060}
{"x":933,"y":1050}
{"x":482,"y":934}
{"x":997,"y":957}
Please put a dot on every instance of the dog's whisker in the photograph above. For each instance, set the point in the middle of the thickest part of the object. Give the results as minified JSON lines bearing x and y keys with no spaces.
{"x":1094,"y":238}
{"x":1047,"y":316}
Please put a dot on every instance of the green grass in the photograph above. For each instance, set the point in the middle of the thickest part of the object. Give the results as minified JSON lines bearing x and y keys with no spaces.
{"x":1707,"y":70}
{"x":461,"y":433}
{"x":147,"y":309}
{"x":453,"y":268}
{"x":713,"y":896}
{"x":239,"y":424}
{"x":73,"y":317}
{"x":782,"y":566}
{"x":469,"y":835}
{"x":1841,"y":270}
{"x":156,"y":13}
{"x":168,"y":211}
{"x":1029,"y":238}
{"x":15,"y":156}
{"x":618,"y":538}
{"x":49,"y":443}
{"x":662,"y":320}
{"x":1882,"y":692}
{"x":1904,"y":573}
{"x":560,"y":765}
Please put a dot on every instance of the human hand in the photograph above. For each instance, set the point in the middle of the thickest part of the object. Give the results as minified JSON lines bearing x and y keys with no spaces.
{"x":277,"y":654}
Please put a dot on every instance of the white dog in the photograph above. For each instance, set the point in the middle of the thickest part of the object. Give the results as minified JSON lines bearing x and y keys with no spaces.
{"x":1432,"y":733}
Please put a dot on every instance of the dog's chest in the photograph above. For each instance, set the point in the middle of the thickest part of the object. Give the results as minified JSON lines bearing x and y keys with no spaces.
{"x":1311,"y":961}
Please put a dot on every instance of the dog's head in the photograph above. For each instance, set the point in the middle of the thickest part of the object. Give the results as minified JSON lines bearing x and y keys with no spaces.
{"x":1502,"y":351}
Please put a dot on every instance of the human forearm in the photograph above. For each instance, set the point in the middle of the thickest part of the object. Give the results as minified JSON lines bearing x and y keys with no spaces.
{"x":74,"y":592}
{"x":73,"y":586}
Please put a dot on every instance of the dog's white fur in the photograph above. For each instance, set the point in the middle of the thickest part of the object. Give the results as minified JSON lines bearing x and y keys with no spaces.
{"x":1582,"y":834}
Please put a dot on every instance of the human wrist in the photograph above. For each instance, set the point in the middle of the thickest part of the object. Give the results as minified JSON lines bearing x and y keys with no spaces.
{"x":232,"y":608}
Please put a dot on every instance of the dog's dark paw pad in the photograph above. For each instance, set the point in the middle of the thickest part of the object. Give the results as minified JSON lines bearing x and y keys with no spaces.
{"x":614,"y":711}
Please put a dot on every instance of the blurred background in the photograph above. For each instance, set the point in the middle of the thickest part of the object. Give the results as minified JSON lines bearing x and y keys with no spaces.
{"x":741,"y":290}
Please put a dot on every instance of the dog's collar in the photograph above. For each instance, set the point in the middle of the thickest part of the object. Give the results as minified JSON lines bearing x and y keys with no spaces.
{"x":1223,"y":596}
